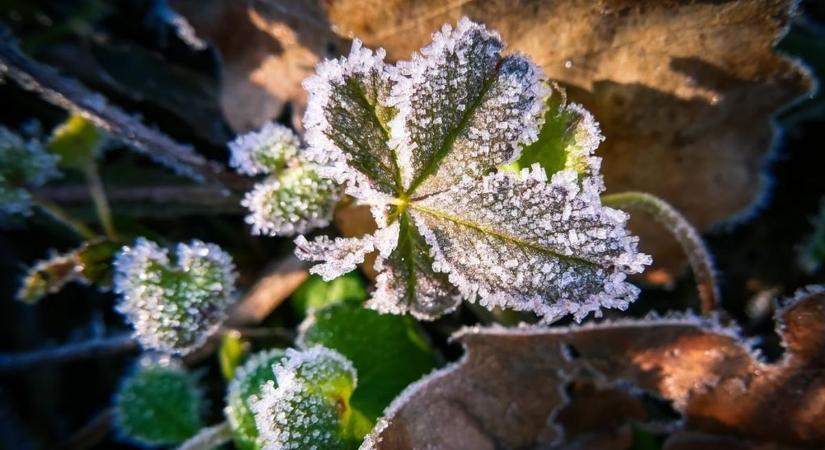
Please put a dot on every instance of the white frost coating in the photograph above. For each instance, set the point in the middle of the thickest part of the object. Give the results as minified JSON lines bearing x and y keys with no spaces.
{"x":340,"y":256}
{"x":515,"y":241}
{"x":302,"y":411}
{"x":330,"y":133}
{"x":173,"y":309}
{"x":264,"y":151}
{"x":297,"y":200}
{"x":460,"y":80}
{"x":420,"y":143}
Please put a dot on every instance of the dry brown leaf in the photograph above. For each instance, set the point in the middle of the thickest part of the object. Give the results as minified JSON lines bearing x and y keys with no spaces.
{"x":268,"y":47}
{"x":684,"y":91}
{"x":509,"y":387}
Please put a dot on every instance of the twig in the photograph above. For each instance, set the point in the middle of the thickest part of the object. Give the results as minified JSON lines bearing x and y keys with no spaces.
{"x":58,"y":214}
{"x":192,"y":195}
{"x":208,"y":438}
{"x":692,"y":244}
{"x":15,"y":362}
{"x":73,"y":96}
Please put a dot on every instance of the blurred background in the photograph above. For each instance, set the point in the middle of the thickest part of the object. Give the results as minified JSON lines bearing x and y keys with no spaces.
{"x":201,"y":85}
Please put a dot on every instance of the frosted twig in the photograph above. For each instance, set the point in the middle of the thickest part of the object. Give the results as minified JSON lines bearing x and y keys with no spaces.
{"x":208,"y":438}
{"x":189,"y":195}
{"x":15,"y":362}
{"x":73,"y":96}
{"x":701,"y":262}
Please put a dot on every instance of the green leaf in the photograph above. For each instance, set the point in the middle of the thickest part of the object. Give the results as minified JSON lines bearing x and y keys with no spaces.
{"x":248,"y":381}
{"x":315,"y":293}
{"x":538,"y":240}
{"x":408,"y":283}
{"x":231,"y":353}
{"x":76,"y":142}
{"x":89,"y":264}
{"x":158,"y":404}
{"x":567,"y":140}
{"x":348,"y":116}
{"x":389,"y":352}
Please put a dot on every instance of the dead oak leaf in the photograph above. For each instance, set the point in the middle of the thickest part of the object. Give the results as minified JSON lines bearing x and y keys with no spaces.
{"x":684,"y":91}
{"x":509,"y":387}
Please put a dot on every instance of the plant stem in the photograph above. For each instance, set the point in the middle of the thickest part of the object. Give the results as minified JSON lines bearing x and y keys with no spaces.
{"x":15,"y":362}
{"x":57,"y":213}
{"x":72,"y":96}
{"x":692,"y":244}
{"x":208,"y":438}
{"x":98,"y":193}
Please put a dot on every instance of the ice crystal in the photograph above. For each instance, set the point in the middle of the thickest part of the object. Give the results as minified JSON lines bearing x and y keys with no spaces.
{"x":24,"y":164}
{"x":295,"y":198}
{"x":174,"y":308}
{"x":307,"y":405}
{"x":422,"y":141}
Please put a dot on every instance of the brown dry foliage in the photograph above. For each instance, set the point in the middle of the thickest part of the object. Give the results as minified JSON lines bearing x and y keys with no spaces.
{"x":579,"y":387}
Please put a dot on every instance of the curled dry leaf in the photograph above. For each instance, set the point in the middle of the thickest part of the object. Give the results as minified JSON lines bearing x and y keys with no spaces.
{"x":268,"y":47}
{"x":684,"y":91}
{"x":509,"y":390}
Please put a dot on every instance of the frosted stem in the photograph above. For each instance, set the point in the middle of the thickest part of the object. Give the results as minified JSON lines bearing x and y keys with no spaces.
{"x":98,"y":195}
{"x":692,"y":244}
{"x":58,"y":214}
{"x":14,"y":362}
{"x":208,"y":438}
{"x":73,"y":96}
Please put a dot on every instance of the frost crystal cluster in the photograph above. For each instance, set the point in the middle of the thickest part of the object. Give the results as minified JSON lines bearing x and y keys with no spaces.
{"x":307,"y":405}
{"x":174,"y":305}
{"x":293,"y":198}
{"x":23,"y":165}
{"x":422,"y":142}
{"x":248,"y":381}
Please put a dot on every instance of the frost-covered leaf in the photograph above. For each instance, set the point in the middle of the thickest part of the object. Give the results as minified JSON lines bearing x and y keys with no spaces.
{"x":76,"y":142}
{"x":462,"y":108}
{"x":24,"y":164}
{"x":264,"y":151}
{"x":407,"y":281}
{"x":296,"y":200}
{"x":91,"y":263}
{"x":174,"y":304}
{"x":447,"y":219}
{"x":248,"y":381}
{"x":158,"y":404}
{"x":308,"y":403}
{"x":388,"y":351}
{"x":315,"y":293}
{"x":347,"y":122}
{"x":511,"y":381}
{"x":516,"y":240}
{"x":684,"y":92}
